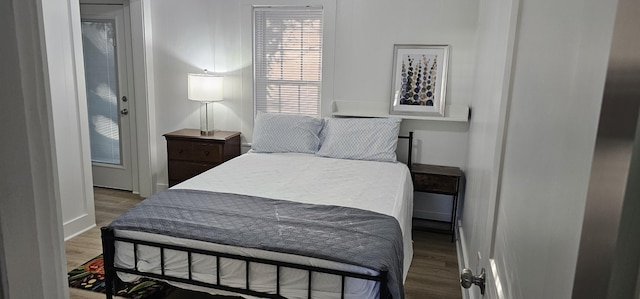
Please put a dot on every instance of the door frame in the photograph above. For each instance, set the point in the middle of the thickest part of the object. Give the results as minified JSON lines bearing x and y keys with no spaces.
{"x":144,"y":86}
{"x":608,"y":243}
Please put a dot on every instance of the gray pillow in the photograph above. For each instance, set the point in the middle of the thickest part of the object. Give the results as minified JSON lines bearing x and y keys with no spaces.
{"x":285,"y":133}
{"x":372,"y":139}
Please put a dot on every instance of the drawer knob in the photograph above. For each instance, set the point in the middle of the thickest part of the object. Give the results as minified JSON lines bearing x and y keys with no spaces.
{"x":206,"y":153}
{"x":180,"y":151}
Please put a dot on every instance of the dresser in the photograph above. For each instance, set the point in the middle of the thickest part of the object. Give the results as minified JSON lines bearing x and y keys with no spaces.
{"x":190,"y":154}
{"x":439,"y":180}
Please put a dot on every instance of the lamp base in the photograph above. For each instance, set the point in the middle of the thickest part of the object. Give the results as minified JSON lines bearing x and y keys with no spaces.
{"x":206,"y":133}
{"x":206,"y":119}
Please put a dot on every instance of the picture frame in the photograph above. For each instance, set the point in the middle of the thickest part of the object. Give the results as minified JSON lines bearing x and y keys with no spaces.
{"x":415,"y":91}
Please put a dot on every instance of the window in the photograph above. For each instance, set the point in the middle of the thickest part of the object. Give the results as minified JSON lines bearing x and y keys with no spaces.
{"x":288,"y":60}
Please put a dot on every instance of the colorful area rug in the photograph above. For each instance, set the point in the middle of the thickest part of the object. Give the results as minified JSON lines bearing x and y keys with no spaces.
{"x":90,"y":276}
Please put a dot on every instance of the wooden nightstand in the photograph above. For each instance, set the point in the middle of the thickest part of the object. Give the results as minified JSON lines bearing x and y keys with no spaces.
{"x":440,"y":180}
{"x":190,"y":154}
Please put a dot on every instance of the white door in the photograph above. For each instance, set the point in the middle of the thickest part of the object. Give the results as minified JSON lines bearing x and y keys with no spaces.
{"x":105,"y":32}
{"x":496,"y":39}
{"x":504,"y":39}
{"x":525,"y":229}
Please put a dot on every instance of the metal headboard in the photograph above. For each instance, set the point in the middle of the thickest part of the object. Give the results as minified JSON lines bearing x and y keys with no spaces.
{"x":409,"y":151}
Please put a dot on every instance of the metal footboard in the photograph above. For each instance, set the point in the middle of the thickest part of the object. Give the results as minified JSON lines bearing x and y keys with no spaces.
{"x":111,"y":279}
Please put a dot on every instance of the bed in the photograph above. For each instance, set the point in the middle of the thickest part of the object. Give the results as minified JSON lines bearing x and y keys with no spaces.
{"x":353,"y":204}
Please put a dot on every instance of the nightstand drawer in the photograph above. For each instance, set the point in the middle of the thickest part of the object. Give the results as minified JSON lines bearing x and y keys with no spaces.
{"x":183,"y":170}
{"x":195,"y":151}
{"x":435,"y":183}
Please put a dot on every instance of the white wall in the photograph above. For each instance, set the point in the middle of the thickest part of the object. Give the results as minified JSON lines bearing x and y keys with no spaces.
{"x":69,"y":106}
{"x":30,"y":213}
{"x":367,"y":30}
{"x":208,"y":34}
{"x":201,"y":34}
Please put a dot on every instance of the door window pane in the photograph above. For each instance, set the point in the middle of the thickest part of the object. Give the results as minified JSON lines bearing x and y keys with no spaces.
{"x":98,"y":38}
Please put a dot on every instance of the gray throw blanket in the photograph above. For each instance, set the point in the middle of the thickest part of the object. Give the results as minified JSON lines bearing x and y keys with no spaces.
{"x":340,"y":234}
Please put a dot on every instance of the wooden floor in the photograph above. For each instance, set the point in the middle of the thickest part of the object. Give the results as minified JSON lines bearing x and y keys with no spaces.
{"x":433,"y":272}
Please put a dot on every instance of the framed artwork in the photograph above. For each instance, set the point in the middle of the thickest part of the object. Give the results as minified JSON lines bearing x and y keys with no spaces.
{"x":419,"y":79}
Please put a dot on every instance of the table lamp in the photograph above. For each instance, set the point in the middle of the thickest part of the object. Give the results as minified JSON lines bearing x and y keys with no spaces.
{"x":205,"y":88}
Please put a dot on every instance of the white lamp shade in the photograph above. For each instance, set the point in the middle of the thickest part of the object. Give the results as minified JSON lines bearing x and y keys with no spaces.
{"x":205,"y":88}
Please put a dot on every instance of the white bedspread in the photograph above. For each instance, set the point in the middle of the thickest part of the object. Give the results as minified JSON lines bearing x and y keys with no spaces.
{"x":375,"y":186}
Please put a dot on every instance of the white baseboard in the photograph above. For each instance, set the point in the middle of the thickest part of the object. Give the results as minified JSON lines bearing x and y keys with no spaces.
{"x":430,"y":215}
{"x":78,"y":226}
{"x":161,"y":187}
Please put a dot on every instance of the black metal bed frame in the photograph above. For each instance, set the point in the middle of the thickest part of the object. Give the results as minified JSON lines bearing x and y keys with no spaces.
{"x":410,"y":148}
{"x":111,"y":279}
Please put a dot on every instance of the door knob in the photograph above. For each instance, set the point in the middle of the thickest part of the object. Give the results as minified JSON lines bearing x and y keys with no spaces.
{"x":124,"y":111}
{"x":467,"y":279}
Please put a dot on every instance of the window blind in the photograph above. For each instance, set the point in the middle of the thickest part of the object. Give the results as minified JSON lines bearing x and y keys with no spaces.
{"x":288,"y":60}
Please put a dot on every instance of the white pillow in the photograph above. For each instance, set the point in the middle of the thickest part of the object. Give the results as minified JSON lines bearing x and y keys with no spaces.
{"x":285,"y":133}
{"x":373,"y":139}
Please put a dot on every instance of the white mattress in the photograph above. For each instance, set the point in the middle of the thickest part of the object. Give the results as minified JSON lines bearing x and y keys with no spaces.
{"x":375,"y":186}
